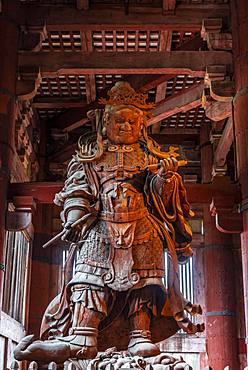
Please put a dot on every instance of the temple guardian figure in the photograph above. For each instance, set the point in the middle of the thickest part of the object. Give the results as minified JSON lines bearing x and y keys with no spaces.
{"x":124,"y":204}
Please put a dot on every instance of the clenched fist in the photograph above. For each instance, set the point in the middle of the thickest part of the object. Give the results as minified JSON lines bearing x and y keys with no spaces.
{"x":168,"y":166}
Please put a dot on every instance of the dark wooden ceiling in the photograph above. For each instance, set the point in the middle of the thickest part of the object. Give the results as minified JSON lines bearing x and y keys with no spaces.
{"x":77,"y":50}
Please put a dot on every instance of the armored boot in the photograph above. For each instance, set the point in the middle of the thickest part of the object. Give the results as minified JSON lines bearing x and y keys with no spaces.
{"x":81,"y":343}
{"x":140,"y":343}
{"x":82,"y":337}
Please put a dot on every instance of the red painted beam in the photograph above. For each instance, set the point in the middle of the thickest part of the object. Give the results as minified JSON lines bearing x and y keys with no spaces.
{"x":43,"y":192}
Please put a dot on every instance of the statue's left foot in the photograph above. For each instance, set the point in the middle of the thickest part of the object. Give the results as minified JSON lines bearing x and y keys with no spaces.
{"x":44,"y":352}
{"x":82,"y":345}
{"x":140,"y":344}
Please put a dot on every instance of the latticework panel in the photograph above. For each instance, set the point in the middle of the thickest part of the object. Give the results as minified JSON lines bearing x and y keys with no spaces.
{"x":46,"y":114}
{"x":193,"y":118}
{"x":62,"y":41}
{"x":180,"y":38}
{"x":126,"y":40}
{"x":105,"y":81}
{"x":63,"y":86}
{"x":114,"y":40}
{"x":181,"y":82}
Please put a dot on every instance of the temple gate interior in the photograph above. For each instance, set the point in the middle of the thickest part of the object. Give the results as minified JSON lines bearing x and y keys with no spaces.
{"x":57,"y":58}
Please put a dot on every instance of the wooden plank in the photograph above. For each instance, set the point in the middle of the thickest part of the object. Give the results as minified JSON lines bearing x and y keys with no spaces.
{"x":188,"y":99}
{"x":224,"y":144}
{"x":54,"y":103}
{"x":74,"y":63}
{"x":10,"y":328}
{"x":90,"y":84}
{"x":187,"y":17}
{"x":144,"y":83}
{"x":165,"y":45}
{"x":160,"y":95}
{"x":43,"y":192}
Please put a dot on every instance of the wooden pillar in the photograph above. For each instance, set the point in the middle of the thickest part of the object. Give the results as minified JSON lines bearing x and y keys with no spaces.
{"x":220,"y":309}
{"x":9,"y":33}
{"x":221,"y":333}
{"x":239,"y":13}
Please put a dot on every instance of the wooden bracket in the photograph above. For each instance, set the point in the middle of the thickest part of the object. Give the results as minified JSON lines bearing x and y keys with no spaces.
{"x":211,"y":33}
{"x":227,"y":219}
{"x":32,"y":37}
{"x":220,"y":86}
{"x":17,"y":221}
{"x":21,"y":217}
{"x":27,"y":87}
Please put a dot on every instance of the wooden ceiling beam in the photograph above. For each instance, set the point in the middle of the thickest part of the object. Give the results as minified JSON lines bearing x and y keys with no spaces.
{"x":72,"y":118}
{"x":74,"y":63}
{"x":186,"y":17}
{"x":58,"y":103}
{"x":165,"y":45}
{"x":144,"y":83}
{"x":44,"y":192}
{"x":160,"y":96}
{"x":182,"y":102}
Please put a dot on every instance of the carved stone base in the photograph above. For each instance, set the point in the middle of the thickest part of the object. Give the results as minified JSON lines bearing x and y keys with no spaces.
{"x":111,"y":359}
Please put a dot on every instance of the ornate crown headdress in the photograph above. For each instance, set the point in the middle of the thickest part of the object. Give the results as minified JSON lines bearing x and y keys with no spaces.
{"x":123,"y":94}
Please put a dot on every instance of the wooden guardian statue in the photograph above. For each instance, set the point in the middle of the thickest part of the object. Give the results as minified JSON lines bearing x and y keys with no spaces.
{"x":124,"y":204}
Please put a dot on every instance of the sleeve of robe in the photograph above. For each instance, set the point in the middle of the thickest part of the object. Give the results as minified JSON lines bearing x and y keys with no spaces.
{"x":170,"y":205}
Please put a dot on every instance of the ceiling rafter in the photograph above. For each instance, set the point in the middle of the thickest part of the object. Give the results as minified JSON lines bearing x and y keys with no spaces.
{"x":174,"y":62}
{"x":187,"y":17}
{"x":181,"y":102}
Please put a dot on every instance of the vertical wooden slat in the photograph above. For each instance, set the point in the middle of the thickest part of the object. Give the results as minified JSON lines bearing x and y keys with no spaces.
{"x":125,"y":40}
{"x":13,"y":277}
{"x":9,"y":241}
{"x":147,"y":40}
{"x":136,"y":40}
{"x":72,"y":41}
{"x":114,"y":40}
{"x":103,"y":41}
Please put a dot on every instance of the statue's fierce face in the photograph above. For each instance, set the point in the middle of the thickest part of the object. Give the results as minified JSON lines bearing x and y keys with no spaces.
{"x":123,"y":124}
